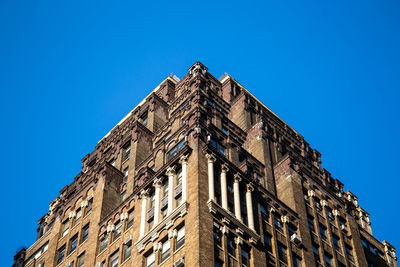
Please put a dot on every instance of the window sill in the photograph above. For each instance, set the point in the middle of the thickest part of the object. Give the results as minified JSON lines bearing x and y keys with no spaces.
{"x":164,"y":260}
{"x":115,"y":240}
{"x":179,"y":249}
{"x":125,"y":261}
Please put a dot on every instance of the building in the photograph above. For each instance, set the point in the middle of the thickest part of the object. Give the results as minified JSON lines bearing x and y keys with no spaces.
{"x":201,"y":173}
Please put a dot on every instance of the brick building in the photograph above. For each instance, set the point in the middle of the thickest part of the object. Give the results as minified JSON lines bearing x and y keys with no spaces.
{"x":201,"y":173}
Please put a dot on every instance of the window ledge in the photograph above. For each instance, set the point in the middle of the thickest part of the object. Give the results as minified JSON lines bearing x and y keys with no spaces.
{"x":241,"y":227}
{"x":166,"y":223}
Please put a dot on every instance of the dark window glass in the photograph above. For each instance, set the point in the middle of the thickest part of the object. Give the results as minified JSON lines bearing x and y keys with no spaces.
{"x":85,"y":233}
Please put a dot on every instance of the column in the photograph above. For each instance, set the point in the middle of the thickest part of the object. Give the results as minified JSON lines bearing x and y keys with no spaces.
{"x":184,"y":161}
{"x":157,"y":184}
{"x":171,"y":184}
{"x":249,"y":206}
{"x":211,"y":160}
{"x":236,"y":195}
{"x":144,"y":195}
{"x":224,"y":194}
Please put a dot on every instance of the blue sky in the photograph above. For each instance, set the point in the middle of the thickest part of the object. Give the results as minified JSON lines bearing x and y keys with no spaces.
{"x":70,"y":70}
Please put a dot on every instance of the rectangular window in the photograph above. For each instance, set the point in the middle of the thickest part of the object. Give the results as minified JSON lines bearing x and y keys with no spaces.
{"x":60,"y":254}
{"x":245,"y":253}
{"x":231,"y":246}
{"x":322,"y":232}
{"x":311,"y":224}
{"x":278,"y":224}
{"x":89,"y":207}
{"x":123,"y":196}
{"x":117,"y":231}
{"x":316,"y":253}
{"x":73,"y":242}
{"x":144,"y":118}
{"x":264,"y":213}
{"x":180,"y":239}
{"x":328,"y":260}
{"x":267,"y":242}
{"x":335,"y":241}
{"x":126,"y":152}
{"x":282,"y":254}
{"x":217,"y":234}
{"x":103,"y":241}
{"x":126,"y":173}
{"x":65,"y":228}
{"x":81,"y":260}
{"x":218,"y":147}
{"x":127,"y":250}
{"x":349,"y":253}
{"x":85,"y":233}
{"x":150,"y":260}
{"x":296,"y":261}
{"x":113,"y":261}
{"x":175,"y":149}
{"x":130,"y":220}
{"x":165,"y":250}
{"x":78,"y":216}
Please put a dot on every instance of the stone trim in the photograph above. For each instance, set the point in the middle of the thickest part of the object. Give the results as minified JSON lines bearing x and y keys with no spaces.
{"x":166,"y":223}
{"x":214,"y":208}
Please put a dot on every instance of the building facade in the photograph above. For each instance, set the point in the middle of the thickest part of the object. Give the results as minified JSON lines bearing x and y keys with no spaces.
{"x":201,"y":173}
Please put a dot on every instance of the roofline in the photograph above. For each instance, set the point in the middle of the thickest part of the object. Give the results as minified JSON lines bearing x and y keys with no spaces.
{"x":138,"y":105}
{"x":227,"y":76}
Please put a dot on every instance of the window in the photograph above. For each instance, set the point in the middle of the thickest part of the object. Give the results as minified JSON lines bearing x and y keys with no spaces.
{"x":217,"y":234}
{"x":322,"y":232}
{"x":180,"y":239}
{"x":317,"y":205}
{"x":127,"y":250}
{"x":328,"y":260}
{"x":292,"y":229}
{"x":123,"y":196}
{"x":282,"y":253}
{"x":126,"y":152}
{"x":112,"y":162}
{"x":165,"y":250}
{"x":224,"y":130}
{"x":220,"y":148}
{"x":267,"y":242}
{"x":231,"y":246}
{"x":113,"y":261}
{"x":131,"y":217}
{"x":175,"y":149}
{"x":245,"y":253}
{"x":218,"y":263}
{"x":178,"y":188}
{"x":81,"y":260}
{"x":117,"y":231}
{"x":349,"y":253}
{"x":73,"y":242}
{"x":60,"y":254}
{"x":330,"y":214}
{"x":78,"y":216}
{"x":103,"y":241}
{"x":311,"y":224}
{"x":85,"y":233}
{"x":264,"y":213}
{"x":278,"y":224}
{"x":144,"y":119}
{"x":150,"y":260}
{"x":296,"y":261}
{"x":335,"y":241}
{"x":126,"y":173}
{"x":316,"y":253}
{"x":89,"y":206}
{"x":65,"y":228}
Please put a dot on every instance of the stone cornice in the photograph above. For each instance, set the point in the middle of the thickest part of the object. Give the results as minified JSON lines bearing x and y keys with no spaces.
{"x":166,"y":223}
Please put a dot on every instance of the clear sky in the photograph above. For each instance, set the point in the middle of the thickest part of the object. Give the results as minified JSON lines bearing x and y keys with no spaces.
{"x":70,"y":70}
